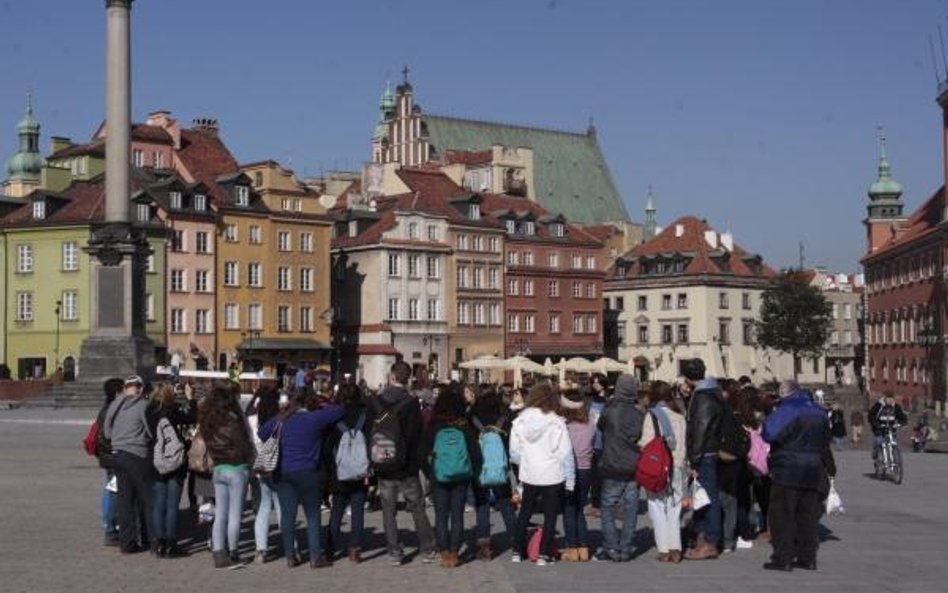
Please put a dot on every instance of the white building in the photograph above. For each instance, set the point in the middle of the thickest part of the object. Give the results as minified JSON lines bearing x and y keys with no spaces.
{"x":691,"y":292}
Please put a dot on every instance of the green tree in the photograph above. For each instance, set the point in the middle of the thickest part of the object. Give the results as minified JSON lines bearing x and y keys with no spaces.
{"x":795,"y":317}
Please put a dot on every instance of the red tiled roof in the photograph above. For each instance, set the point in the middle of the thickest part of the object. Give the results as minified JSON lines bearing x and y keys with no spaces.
{"x":920,"y":223}
{"x":94,"y":148}
{"x":691,"y":241}
{"x":147,"y":133}
{"x":205,"y":157}
{"x":467,"y":157}
{"x":601,"y":232}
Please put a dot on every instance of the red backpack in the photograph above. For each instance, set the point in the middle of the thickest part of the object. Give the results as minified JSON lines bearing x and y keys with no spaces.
{"x":92,"y":435}
{"x":654,"y":468}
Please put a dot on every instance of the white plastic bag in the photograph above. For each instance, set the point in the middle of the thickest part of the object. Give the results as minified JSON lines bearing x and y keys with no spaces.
{"x":112,"y":486}
{"x":699,"y":496}
{"x":206,"y":513}
{"x":834,"y":503}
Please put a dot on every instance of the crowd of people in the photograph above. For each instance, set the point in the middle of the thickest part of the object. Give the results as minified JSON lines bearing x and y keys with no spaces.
{"x":722,"y":465}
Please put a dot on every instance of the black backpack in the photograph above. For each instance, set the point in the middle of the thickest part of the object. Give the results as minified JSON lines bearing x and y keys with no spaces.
{"x":103,"y":445}
{"x":386,"y":441}
{"x":735,"y":441}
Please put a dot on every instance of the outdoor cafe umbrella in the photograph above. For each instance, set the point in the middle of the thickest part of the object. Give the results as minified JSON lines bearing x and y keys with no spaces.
{"x":486,"y":362}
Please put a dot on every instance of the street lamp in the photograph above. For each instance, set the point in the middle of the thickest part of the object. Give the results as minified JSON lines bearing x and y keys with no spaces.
{"x":59,"y":305}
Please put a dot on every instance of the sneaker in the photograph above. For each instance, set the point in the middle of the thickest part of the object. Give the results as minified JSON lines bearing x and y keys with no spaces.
{"x":515,"y":558}
{"x":602,"y":555}
{"x":744,"y":544}
{"x":397,"y":560}
{"x":621,"y":556}
{"x":544,"y":561}
{"x":430,"y":557}
{"x":260,"y":557}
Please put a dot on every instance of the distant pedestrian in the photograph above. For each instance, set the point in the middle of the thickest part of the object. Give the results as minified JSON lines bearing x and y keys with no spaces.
{"x":113,"y":388}
{"x":856,"y":422}
{"x":837,"y":426}
{"x":175,"y":367}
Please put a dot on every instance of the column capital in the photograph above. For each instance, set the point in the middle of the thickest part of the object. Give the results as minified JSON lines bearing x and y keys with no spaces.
{"x":119,"y":3}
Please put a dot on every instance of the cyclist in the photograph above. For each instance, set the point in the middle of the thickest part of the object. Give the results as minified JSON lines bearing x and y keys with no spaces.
{"x":885,"y":415}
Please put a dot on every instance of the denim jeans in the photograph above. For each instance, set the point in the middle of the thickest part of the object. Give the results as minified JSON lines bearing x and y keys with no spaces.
{"x":166,"y":497}
{"x":355,"y":500}
{"x":230,"y":490}
{"x":269,"y":501}
{"x":502,"y":496}
{"x":295,"y":488}
{"x":707,"y":521}
{"x":574,"y":517}
{"x":615,"y":492}
{"x":109,"y":522}
{"x":552,"y":504}
{"x":410,"y":488}
{"x":449,"y":501}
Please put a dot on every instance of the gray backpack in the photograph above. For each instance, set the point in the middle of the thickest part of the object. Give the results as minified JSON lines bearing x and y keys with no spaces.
{"x":352,"y":453}
{"x":169,"y":449}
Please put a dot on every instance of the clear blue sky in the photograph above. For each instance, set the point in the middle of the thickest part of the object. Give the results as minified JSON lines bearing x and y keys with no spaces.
{"x":758,"y":115}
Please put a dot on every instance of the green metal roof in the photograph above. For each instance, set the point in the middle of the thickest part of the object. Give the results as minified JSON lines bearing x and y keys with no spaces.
{"x":281,"y":344}
{"x":569,"y":170}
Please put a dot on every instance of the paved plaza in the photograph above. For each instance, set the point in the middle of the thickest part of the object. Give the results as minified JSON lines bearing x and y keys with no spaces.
{"x":892,"y":538}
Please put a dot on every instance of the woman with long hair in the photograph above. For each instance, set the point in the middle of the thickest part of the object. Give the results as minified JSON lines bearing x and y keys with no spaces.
{"x":540,"y":445}
{"x":264,"y":406}
{"x":664,"y":508}
{"x":347,"y":493}
{"x":224,"y":429}
{"x":490,"y":414}
{"x":302,"y":480}
{"x":582,"y":431}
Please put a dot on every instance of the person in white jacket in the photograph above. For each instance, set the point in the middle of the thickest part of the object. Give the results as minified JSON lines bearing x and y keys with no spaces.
{"x":540,"y":446}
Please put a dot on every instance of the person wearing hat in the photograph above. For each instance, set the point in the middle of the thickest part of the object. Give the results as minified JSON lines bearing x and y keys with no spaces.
{"x":126,"y":426}
{"x":621,"y":426}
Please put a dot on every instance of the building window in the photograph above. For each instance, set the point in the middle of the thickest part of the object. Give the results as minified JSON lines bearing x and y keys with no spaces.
{"x":682,"y":300}
{"x":306,"y":279}
{"x":529,"y":323}
{"x":434,"y":309}
{"x":493,"y":314}
{"x":747,"y":329}
{"x":393,"y":307}
{"x":554,"y":323}
{"x":746,"y":301}
{"x":70,"y":256}
{"x":528,"y":258}
{"x":463,"y":243}
{"x":478,"y":277}
{"x":847,"y":311}
{"x":577,"y":323}
{"x":202,"y":321}
{"x":202,"y":281}
{"x":513,"y":323}
{"x":816,"y":367}
{"x":231,"y":275}
{"x":353,"y":228}
{"x":590,"y":290}
{"x":243,"y":195}
{"x":283,"y":241}
{"x":412,"y":230}
{"x":591,"y":326}
{"x":255,"y":316}
{"x":149,"y":307}
{"x":138,"y":158}
{"x":24,"y":306}
{"x":722,"y":300}
{"x":493,"y":278}
{"x":394,"y":264}
{"x":284,"y":323}
{"x":175,"y":199}
{"x":557,"y":229}
{"x":24,"y":258}
{"x":200,"y":202}
{"x":284,"y":278}
{"x":577,"y":289}
{"x":493,"y":244}
{"x":554,"y":260}
{"x":620,"y":332}
{"x":513,"y":258}
{"x":144,"y":212}
{"x":528,"y":288}
{"x":464,"y":314}
{"x":306,"y":242}
{"x":298,"y":205}
{"x":667,"y":333}
{"x":231,"y":316}
{"x":70,"y":306}
{"x":413,"y":266}
{"x":666,"y":302}
{"x":230,"y":233}
{"x":178,"y":322}
{"x":513,"y":287}
{"x":178,"y":281}
{"x":529,"y":228}
{"x":177,"y":241}
{"x":577,"y":262}
{"x":254,"y":277}
{"x":511,"y":226}
{"x":201,"y":243}
{"x":724,"y":331}
{"x":620,"y":303}
{"x":433,"y":264}
{"x":553,"y":288}
{"x":432,"y":232}
{"x":834,"y":338}
{"x":256,"y":235}
{"x":643,"y":334}
{"x":413,"y":309}
{"x":847,"y":338}
{"x":590,"y":262}
{"x":462,"y":277}
{"x":285,"y":203}
{"x":682,"y":333}
{"x":478,"y":313}
{"x":306,"y":319}
{"x":643,"y":303}
{"x":474,"y":211}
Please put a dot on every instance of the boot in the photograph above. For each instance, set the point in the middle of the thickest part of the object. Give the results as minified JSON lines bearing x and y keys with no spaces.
{"x":453,"y":560}
{"x":221,"y":559}
{"x":355,"y":555}
{"x":674,"y":556}
{"x":319,"y":562}
{"x":703,"y":550}
{"x":583,"y":553}
{"x":483,"y":549}
{"x":569,"y":555}
{"x":172,"y":550}
{"x":445,"y":559}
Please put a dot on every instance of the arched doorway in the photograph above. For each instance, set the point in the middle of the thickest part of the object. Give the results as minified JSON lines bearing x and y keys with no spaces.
{"x":69,"y":368}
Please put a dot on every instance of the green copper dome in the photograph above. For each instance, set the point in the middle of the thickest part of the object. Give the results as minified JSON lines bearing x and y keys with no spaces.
{"x":884,"y":186}
{"x":27,"y":163}
{"x":28,"y":125}
{"x":387,"y":103}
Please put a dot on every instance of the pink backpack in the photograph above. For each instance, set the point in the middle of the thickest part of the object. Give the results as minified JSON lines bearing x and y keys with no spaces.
{"x":757,"y":456}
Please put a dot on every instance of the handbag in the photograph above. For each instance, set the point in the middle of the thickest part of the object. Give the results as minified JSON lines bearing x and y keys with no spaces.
{"x":834,"y":503}
{"x":198,"y":459}
{"x":699,"y":496}
{"x":268,"y":457}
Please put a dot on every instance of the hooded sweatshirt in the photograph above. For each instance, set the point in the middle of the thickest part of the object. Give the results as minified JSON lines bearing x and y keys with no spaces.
{"x":540,"y":445}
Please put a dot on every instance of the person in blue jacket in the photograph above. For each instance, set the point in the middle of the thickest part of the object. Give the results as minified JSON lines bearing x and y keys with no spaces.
{"x":800,"y":465}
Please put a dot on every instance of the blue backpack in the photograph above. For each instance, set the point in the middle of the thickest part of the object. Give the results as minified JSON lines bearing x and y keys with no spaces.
{"x":496,"y":464}
{"x":452,"y":463}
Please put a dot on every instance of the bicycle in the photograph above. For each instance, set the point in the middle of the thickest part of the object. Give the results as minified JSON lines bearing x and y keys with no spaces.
{"x":888,"y":461}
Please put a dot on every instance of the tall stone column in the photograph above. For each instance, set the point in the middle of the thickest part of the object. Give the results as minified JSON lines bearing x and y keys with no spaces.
{"x":117,"y":344}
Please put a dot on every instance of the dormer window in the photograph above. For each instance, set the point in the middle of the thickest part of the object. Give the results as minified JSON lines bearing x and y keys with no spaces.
{"x":511,"y":227}
{"x":529,"y":228}
{"x":200,"y":202}
{"x":175,"y":198}
{"x":474,"y":211}
{"x":39,"y":209}
{"x":413,"y":230}
{"x":557,"y":229}
{"x":353,"y":228}
{"x":243,"y":195}
{"x":144,"y":213}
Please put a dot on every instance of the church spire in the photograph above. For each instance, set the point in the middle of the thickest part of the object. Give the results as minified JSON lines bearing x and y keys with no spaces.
{"x":648,"y":232}
{"x":27,"y":163}
{"x":885,"y":193}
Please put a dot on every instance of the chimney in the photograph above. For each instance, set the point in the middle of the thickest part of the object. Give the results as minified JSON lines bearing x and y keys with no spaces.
{"x":159,"y":118}
{"x":205,"y":124}
{"x":58,"y":143}
{"x":679,"y":230}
